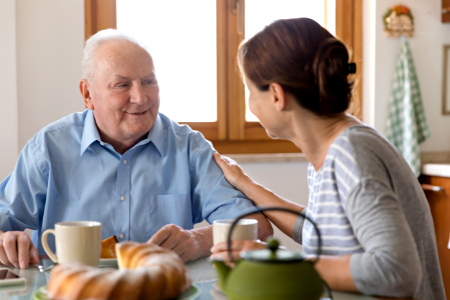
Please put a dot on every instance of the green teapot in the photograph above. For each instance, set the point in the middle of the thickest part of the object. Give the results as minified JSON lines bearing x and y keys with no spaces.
{"x":270,"y":273}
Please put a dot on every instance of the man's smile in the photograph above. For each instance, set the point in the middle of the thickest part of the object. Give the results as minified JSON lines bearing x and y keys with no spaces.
{"x":137,"y":113}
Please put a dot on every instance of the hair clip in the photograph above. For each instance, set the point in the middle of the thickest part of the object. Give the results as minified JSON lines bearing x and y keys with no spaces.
{"x":351,"y":68}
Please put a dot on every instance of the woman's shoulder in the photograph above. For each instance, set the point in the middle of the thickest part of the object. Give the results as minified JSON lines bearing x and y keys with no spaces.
{"x":366,"y":134}
{"x":366,"y":141}
{"x":361,"y":152}
{"x":374,"y":155}
{"x":340,"y":163}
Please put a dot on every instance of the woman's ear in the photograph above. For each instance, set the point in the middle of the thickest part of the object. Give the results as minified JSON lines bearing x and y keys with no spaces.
{"x":85,"y":93}
{"x":278,"y":96}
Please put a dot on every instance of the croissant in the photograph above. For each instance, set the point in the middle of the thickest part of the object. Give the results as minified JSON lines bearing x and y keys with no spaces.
{"x":109,"y":247}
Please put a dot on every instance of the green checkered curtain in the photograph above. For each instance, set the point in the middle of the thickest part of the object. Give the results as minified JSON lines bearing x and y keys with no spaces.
{"x":407,"y":125}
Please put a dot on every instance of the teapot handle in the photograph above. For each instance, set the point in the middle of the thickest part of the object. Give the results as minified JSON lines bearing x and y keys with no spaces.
{"x":261,"y":209}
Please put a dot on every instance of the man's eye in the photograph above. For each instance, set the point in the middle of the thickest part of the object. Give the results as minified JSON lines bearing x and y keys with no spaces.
{"x":122,"y":85}
{"x":149,"y":81}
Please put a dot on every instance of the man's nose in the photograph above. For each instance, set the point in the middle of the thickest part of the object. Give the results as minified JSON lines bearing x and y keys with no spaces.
{"x":137,"y":94}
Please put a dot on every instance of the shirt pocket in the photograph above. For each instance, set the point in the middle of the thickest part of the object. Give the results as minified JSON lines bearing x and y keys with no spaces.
{"x":168,"y":209}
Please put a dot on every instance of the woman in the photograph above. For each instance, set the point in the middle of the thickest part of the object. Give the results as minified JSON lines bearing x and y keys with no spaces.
{"x":376,"y":227}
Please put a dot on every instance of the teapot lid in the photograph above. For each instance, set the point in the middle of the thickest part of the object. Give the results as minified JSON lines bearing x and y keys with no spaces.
{"x":272,"y":254}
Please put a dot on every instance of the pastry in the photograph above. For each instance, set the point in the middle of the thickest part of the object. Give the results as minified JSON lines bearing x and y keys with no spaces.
{"x":146,"y":272}
{"x":109,"y":247}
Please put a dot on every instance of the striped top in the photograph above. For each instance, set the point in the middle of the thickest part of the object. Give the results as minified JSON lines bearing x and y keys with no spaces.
{"x":368,"y":203}
{"x":328,"y":191}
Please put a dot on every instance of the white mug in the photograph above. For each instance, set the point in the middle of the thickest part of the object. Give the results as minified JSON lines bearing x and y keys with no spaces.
{"x":78,"y":241}
{"x":245,"y":229}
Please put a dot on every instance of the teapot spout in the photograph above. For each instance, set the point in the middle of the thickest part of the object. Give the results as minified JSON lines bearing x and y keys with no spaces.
{"x":222,"y":272}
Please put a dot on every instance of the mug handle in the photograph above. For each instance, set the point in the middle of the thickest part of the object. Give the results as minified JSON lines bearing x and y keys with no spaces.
{"x":46,"y":247}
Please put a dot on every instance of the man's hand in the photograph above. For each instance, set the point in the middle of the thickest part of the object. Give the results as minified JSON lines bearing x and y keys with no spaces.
{"x":196,"y":243}
{"x":188,"y":244}
{"x":16,"y":249}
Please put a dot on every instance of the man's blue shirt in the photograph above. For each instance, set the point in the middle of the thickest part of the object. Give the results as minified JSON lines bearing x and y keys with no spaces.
{"x":66,"y":173}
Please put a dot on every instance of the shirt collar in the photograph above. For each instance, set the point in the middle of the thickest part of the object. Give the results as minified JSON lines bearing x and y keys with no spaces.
{"x":156,"y":135}
{"x":90,"y":134}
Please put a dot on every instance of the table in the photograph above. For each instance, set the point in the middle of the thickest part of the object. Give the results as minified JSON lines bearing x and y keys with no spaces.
{"x":202,"y":273}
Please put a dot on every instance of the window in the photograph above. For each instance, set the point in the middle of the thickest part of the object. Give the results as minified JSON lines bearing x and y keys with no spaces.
{"x":182,"y":42}
{"x":208,"y":86}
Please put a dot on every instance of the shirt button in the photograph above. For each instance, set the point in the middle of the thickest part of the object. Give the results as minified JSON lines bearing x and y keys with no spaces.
{"x":125,"y":162}
{"x":101,"y":143}
{"x":122,"y":236}
{"x":122,"y":198}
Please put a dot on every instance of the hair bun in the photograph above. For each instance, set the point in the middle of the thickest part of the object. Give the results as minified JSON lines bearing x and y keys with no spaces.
{"x":330,"y":69}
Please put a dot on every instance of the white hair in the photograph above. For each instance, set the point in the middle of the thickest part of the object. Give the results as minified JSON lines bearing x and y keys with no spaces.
{"x":92,"y":44}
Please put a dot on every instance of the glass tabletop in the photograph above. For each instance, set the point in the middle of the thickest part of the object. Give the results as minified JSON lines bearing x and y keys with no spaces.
{"x":202,"y":273}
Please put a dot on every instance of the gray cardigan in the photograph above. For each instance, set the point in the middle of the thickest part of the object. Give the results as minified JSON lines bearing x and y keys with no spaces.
{"x":378,"y":195}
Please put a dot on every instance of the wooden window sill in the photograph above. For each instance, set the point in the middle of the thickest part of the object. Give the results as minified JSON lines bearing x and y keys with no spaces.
{"x":268,"y":158}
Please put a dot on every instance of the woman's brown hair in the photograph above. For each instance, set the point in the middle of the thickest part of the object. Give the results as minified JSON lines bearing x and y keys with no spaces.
{"x":305,"y":59}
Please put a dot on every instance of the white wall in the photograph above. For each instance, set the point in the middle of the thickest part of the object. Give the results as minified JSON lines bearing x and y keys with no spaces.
{"x":379,"y":58}
{"x":50,"y":37}
{"x":288,"y":180}
{"x":8,"y":88}
{"x":40,"y":67}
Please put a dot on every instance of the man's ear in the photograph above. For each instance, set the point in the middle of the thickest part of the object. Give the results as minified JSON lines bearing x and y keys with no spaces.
{"x":85,"y":93}
{"x":278,"y":96}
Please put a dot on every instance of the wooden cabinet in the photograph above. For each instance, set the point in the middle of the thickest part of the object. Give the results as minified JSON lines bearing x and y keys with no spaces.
{"x":445,"y":11}
{"x":439,"y":201}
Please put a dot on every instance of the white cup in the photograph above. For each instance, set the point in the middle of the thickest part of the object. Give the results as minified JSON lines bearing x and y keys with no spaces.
{"x":78,"y":241}
{"x":245,"y":229}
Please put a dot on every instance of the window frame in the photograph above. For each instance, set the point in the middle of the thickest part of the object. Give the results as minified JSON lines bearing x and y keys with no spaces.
{"x":231,"y":133}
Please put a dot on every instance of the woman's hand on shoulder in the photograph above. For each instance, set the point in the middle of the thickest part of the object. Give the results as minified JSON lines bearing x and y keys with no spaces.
{"x":232,"y":171}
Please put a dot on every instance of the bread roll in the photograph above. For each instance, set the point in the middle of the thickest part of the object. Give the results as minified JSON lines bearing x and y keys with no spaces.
{"x":146,"y":271}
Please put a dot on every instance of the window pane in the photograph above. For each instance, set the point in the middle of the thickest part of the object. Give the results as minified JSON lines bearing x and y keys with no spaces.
{"x":260,"y":13}
{"x":181,"y":36}
{"x":330,"y":16}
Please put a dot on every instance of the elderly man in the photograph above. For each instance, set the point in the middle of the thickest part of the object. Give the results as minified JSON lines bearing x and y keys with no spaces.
{"x":120,"y":162}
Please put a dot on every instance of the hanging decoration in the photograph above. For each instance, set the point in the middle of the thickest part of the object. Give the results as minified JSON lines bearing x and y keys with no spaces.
{"x":398,"y":21}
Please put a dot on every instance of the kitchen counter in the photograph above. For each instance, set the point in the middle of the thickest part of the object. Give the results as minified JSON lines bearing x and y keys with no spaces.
{"x":442,"y":170}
